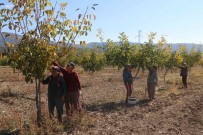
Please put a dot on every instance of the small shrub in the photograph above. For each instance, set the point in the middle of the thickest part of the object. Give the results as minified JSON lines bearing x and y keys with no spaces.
{"x":110,"y":79}
{"x":4,"y":61}
{"x":170,"y":82}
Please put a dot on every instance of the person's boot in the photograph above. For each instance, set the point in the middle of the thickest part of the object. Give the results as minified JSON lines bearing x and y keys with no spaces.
{"x":51,"y":115}
{"x":60,"y":119}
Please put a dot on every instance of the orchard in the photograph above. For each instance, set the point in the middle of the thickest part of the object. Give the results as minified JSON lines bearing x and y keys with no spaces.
{"x":48,"y":34}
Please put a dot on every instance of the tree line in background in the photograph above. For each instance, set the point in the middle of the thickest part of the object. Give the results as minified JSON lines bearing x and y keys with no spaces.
{"x":138,"y":55}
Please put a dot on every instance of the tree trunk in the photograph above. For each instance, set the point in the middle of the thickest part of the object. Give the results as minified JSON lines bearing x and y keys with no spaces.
{"x":38,"y":102}
{"x":165,"y":76}
{"x":137,"y":72}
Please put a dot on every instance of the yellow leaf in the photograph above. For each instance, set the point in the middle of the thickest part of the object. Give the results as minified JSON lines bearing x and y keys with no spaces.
{"x":62,"y":14}
{"x":49,"y":12}
{"x":74,"y":29}
{"x":84,"y":43}
{"x":85,"y":21}
{"x":89,"y":23}
{"x":55,"y":54}
{"x":18,"y":28}
{"x":66,"y":32}
{"x":7,"y":44}
{"x":75,"y":22}
{"x":20,"y":18}
{"x":69,"y":22}
{"x":49,"y":4}
{"x":12,"y":45}
{"x":64,"y":4}
{"x":85,"y":28}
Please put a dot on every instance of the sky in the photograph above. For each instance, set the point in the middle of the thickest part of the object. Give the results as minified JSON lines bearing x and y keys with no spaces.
{"x":180,"y":21}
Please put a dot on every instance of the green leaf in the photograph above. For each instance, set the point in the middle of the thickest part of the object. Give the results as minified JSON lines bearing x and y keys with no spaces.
{"x":10,"y":26}
{"x":79,"y":16}
{"x":30,"y":23}
{"x":79,"y":27}
{"x":80,"y":42}
{"x":64,"y":38}
{"x":4,"y":25}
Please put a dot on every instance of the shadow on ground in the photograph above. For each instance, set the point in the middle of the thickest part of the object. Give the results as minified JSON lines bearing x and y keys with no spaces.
{"x":114,"y":106}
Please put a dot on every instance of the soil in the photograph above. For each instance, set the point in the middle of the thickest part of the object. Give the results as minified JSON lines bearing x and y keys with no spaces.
{"x":175,"y":110}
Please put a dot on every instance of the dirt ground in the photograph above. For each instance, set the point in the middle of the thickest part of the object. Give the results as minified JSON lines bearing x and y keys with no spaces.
{"x":175,"y":111}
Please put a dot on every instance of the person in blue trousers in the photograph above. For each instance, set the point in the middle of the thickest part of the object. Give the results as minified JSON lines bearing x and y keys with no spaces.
{"x":128,"y":80}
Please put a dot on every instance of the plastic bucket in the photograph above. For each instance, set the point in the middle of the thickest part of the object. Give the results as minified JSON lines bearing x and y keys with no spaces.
{"x":132,"y":100}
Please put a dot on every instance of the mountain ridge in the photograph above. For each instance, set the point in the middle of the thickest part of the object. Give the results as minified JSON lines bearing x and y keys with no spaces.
{"x":91,"y":45}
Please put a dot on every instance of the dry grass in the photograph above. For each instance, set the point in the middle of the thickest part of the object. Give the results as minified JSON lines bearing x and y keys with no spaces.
{"x":103,"y":95}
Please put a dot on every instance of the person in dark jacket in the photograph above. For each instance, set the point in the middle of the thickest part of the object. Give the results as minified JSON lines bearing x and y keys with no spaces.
{"x":56,"y":92}
{"x":152,"y":81}
{"x":184,"y":73}
{"x":128,"y":80}
{"x":73,"y":88}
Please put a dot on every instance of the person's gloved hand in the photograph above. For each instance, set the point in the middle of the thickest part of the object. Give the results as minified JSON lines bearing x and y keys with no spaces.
{"x":80,"y":92}
{"x":63,"y":98}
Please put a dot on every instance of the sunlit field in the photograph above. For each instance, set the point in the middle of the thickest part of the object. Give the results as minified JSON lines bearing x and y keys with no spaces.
{"x":175,"y":109}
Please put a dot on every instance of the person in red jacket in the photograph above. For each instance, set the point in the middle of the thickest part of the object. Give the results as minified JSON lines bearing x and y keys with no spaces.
{"x":73,"y":87}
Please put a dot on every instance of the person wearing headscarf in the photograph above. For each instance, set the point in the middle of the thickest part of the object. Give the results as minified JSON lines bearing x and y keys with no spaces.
{"x":128,"y":80}
{"x":73,"y":88}
{"x":152,"y":81}
{"x":56,"y":92}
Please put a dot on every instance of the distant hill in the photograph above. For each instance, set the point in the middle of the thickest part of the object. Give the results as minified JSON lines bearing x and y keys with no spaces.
{"x":9,"y":37}
{"x":188,"y":45}
{"x":12,"y":39}
{"x":174,"y":46}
